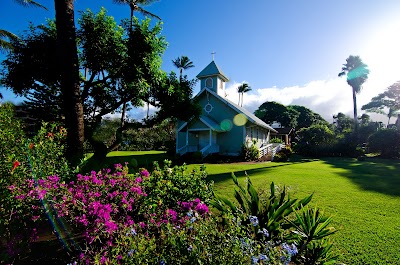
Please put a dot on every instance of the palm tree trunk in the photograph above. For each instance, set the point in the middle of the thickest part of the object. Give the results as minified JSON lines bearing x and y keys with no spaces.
{"x":70,"y":86}
{"x":355,"y":111}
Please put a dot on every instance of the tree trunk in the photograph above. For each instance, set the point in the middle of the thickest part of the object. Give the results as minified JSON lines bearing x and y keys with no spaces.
{"x":69,"y":68}
{"x":355,"y":111}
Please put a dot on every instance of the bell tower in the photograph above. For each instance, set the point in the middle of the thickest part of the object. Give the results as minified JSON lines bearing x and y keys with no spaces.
{"x":213,"y":79}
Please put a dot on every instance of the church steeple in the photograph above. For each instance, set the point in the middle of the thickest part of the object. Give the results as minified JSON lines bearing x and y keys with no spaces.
{"x":213,"y":78}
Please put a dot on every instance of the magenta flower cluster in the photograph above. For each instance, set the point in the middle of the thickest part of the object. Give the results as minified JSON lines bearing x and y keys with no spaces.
{"x":103,"y":206}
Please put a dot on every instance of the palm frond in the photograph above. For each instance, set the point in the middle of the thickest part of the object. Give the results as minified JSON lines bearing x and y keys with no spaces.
{"x":30,"y":3}
{"x":146,"y":13}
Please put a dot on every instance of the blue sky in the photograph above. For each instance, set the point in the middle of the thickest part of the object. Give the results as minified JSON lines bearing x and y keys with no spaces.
{"x":288,"y":51}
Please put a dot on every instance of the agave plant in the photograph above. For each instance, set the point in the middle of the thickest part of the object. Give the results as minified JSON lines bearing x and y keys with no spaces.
{"x":271,"y":213}
{"x":311,"y":230}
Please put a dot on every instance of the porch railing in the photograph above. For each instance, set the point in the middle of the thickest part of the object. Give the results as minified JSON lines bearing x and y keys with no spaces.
{"x":270,"y":149}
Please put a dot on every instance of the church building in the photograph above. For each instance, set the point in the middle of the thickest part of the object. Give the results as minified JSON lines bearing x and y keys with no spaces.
{"x":223,"y":126}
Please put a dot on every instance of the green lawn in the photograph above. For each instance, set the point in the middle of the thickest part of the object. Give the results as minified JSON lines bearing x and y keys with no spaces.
{"x":135,"y":159}
{"x":364,"y":198}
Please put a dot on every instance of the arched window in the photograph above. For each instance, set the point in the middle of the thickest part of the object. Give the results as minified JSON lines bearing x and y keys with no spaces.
{"x":209,"y":82}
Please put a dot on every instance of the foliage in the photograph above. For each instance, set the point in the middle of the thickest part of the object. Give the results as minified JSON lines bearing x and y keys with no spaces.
{"x":276,"y":140}
{"x":271,"y":112}
{"x":274,"y":214}
{"x":306,"y":117}
{"x":22,"y":158}
{"x":343,"y":123}
{"x":119,"y":66}
{"x":388,"y":101}
{"x":250,"y":152}
{"x":311,"y":231}
{"x":241,"y":89}
{"x":169,"y":183}
{"x":385,"y":141}
{"x":283,"y":154}
{"x":312,"y":139}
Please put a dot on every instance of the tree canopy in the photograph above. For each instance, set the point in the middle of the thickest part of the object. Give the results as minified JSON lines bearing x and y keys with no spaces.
{"x":117,"y":66}
{"x":288,"y":116}
{"x":387,"y":103}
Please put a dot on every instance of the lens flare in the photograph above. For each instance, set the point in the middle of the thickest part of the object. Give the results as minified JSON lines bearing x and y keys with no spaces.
{"x":59,"y":227}
{"x":240,"y":119}
{"x":226,"y":125}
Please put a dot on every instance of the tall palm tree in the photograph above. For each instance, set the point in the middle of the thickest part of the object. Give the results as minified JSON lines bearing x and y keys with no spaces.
{"x":243,"y":88}
{"x":6,"y":37}
{"x":357,"y":73}
{"x":182,"y":63}
{"x":67,"y":54}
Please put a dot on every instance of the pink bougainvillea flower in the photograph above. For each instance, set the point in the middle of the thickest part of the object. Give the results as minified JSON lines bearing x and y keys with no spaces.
{"x":145,"y":173}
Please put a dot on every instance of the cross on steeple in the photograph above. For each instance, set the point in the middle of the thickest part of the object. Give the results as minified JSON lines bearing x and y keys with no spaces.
{"x":213,"y":53}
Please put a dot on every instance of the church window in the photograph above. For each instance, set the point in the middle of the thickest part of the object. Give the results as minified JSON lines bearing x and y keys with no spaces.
{"x":209,"y":82}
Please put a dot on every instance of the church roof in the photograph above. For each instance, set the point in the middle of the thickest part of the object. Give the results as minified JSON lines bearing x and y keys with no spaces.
{"x":211,"y":70}
{"x":250,"y":116}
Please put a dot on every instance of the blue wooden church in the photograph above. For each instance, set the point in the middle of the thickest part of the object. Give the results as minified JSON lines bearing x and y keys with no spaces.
{"x":223,"y":126}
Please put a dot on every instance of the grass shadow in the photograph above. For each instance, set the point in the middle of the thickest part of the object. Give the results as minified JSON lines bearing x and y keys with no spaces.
{"x":134,"y":160}
{"x":220,"y":177}
{"x":373,"y":174}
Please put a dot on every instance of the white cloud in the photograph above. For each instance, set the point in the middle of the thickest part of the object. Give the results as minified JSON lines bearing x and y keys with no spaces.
{"x":326,"y":97}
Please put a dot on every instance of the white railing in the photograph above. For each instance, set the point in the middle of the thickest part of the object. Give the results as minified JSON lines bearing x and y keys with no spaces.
{"x":265,"y":150}
{"x":270,"y":149}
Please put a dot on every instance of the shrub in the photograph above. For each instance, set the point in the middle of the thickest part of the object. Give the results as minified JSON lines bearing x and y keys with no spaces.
{"x":250,"y":153}
{"x":168,"y":185}
{"x":22,"y":158}
{"x":276,"y":140}
{"x":385,"y":141}
{"x":283,"y":154}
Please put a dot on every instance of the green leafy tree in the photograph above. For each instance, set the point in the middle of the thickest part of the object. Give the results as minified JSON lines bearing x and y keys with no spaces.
{"x":306,"y":117}
{"x":314,"y":139}
{"x":387,"y":103}
{"x":272,"y":111}
{"x":241,"y":89}
{"x":343,"y":123}
{"x":357,"y":73}
{"x":112,"y":75}
{"x":385,"y":141}
{"x":135,"y":5}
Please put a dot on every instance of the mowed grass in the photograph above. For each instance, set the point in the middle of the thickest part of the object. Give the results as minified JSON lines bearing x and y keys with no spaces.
{"x":364,"y":198}
{"x":135,"y":159}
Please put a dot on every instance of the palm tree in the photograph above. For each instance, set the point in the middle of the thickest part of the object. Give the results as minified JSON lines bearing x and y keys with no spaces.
{"x":243,"y":88}
{"x":6,"y":37}
{"x":357,"y":73}
{"x":67,"y":54}
{"x":134,"y":5}
{"x":182,"y":63}
{"x":29,"y":3}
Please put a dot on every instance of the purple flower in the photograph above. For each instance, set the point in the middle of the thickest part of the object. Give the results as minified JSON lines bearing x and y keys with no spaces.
{"x":138,"y":180}
{"x":144,"y":173}
{"x":201,"y":208}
